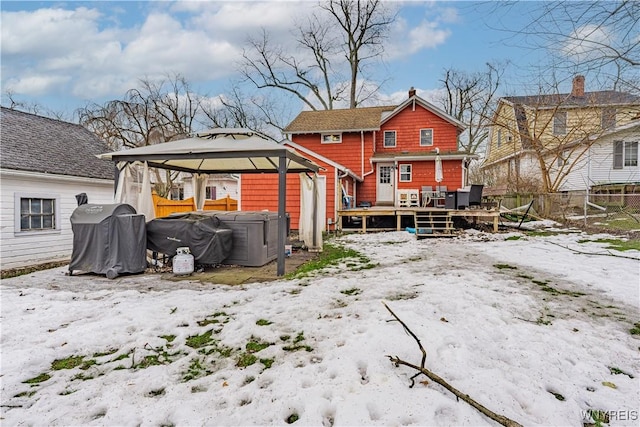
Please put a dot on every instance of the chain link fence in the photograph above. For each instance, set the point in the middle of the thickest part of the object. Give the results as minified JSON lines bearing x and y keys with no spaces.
{"x":606,"y":211}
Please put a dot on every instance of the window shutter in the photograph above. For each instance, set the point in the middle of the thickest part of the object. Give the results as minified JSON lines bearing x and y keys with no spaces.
{"x":618,"y":147}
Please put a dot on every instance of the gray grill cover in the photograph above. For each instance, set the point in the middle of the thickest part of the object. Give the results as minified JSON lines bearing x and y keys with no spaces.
{"x":208,"y":242}
{"x":108,"y":239}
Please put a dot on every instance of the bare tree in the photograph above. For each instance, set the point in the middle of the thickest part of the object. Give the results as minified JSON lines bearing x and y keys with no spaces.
{"x":364,"y":28}
{"x":599,"y":38}
{"x":553,"y":132}
{"x":471,"y":98}
{"x":237,"y":109}
{"x":353,"y":29}
{"x":154,"y":113}
{"x":31,"y":107}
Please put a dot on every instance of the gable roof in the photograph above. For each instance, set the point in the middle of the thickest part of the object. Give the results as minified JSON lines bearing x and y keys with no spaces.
{"x":359,"y":119}
{"x":603,"y":98}
{"x":344,"y":120}
{"x":414,"y":99}
{"x":40,"y":144}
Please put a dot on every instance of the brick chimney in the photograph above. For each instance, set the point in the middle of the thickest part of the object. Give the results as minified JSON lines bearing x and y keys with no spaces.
{"x":412,"y":92}
{"x":578,"y":87}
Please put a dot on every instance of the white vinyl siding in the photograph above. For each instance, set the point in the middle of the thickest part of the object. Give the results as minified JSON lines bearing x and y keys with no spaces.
{"x":596,"y":166}
{"x":24,"y":248}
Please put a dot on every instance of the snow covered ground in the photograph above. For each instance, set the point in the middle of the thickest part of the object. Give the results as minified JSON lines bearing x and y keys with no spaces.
{"x":527,"y":326}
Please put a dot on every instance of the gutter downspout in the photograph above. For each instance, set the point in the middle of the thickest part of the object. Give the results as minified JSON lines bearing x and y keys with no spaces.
{"x":339,"y":192}
{"x":361,"y":152}
{"x":370,"y":162}
{"x":465,"y":173}
{"x":395,"y":181}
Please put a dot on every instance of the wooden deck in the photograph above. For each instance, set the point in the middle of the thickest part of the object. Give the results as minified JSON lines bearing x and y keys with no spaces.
{"x":491,"y":215}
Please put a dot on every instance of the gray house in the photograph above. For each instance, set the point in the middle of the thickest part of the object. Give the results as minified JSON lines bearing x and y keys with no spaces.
{"x":44,"y":164}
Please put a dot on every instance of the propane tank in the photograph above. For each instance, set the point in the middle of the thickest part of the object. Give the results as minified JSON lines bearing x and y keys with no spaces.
{"x":183,"y":261}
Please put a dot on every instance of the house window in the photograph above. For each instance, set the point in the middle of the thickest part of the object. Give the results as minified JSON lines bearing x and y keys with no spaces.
{"x":560,"y":123}
{"x":608,"y":118}
{"x":389,"y":138}
{"x":625,"y":153}
{"x":331,"y":138}
{"x":562,"y":158}
{"x":177,"y":192}
{"x":36,"y":212}
{"x":499,"y":137}
{"x":210,"y":192}
{"x":405,"y":173}
{"x":426,"y":137}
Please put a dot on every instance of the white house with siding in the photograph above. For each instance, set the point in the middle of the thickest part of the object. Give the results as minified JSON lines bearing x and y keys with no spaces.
{"x":556,"y":125}
{"x":44,"y":164}
{"x":610,"y":159}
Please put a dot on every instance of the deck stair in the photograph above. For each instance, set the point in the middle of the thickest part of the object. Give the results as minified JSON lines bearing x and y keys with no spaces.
{"x":433,"y":224}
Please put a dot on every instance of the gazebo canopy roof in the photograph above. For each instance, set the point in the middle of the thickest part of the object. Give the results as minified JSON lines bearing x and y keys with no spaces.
{"x":218,"y":151}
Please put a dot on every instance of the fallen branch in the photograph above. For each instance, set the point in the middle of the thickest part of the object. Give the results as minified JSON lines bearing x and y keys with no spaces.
{"x":608,"y":253}
{"x":501,"y":419}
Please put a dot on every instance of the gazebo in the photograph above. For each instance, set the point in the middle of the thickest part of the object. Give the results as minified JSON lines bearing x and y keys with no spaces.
{"x":233,"y":150}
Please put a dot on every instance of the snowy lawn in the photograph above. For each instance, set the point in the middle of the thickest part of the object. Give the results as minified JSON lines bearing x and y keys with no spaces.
{"x":525,"y":325}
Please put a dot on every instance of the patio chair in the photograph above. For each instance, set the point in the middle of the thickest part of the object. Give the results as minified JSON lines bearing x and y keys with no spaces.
{"x":441,"y":194}
{"x":475,"y":195}
{"x":427,"y":195}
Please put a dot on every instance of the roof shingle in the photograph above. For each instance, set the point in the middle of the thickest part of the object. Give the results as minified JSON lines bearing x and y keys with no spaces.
{"x":605,"y":97}
{"x":345,"y":120}
{"x":39,"y":144}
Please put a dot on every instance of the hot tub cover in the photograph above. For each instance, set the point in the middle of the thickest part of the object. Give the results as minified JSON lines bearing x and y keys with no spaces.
{"x":208,"y":241}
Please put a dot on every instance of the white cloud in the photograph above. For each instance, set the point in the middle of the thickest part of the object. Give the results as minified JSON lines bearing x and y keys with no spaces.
{"x":406,"y":40}
{"x":587,"y":42}
{"x":97,"y":53}
{"x":47,"y":32}
{"x":200,"y":40}
{"x":35,"y":84}
{"x":429,"y":95}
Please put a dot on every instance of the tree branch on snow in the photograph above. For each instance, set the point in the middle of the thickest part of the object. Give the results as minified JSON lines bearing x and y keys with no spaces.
{"x":501,"y":419}
{"x":608,"y":253}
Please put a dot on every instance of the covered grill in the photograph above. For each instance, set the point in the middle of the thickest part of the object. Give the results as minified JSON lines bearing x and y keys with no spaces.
{"x":208,"y":241}
{"x":108,"y":239}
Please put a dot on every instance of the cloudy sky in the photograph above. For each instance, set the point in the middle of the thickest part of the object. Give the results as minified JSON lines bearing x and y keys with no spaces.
{"x":64,"y":54}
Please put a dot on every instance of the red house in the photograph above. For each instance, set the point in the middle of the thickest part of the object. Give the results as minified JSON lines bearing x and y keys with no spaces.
{"x":373,"y":155}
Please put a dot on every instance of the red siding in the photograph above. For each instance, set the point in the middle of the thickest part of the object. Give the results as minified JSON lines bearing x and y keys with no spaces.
{"x":424,"y":173}
{"x":347,"y":153}
{"x":407,"y":125}
{"x":260,"y":192}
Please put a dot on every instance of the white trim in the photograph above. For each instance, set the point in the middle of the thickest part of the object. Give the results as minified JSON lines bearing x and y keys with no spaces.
{"x":332,"y":135}
{"x":17,"y":206}
{"x":428,"y":106}
{"x":384,"y":139}
{"x":431,"y":158}
{"x":48,"y":176}
{"x":409,"y":172}
{"x":426,"y":145}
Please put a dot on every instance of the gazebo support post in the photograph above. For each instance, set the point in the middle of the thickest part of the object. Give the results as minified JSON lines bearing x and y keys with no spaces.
{"x":282,"y":220}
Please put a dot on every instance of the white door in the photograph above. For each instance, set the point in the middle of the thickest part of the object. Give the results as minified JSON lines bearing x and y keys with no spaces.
{"x":386,"y":183}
